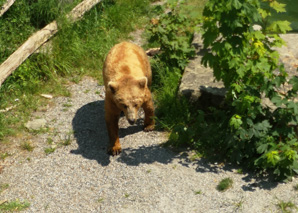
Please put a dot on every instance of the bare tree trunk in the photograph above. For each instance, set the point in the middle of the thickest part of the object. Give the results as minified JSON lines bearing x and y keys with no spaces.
{"x":6,"y":6}
{"x":39,"y":38}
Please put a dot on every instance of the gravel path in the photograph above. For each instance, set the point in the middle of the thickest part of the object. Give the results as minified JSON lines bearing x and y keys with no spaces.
{"x":146,"y":177}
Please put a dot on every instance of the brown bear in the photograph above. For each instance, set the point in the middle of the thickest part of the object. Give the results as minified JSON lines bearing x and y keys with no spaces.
{"x":127,"y":77}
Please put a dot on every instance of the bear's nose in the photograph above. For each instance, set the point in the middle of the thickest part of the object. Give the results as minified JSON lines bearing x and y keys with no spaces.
{"x":131,"y":121}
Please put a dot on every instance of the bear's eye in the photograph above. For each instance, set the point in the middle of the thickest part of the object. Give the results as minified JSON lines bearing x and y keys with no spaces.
{"x":135,"y":105}
{"x":125,"y":106}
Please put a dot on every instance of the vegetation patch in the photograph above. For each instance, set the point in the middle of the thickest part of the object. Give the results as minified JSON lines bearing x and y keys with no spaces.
{"x":49,"y":150}
{"x":3,"y":186}
{"x":242,"y":130}
{"x":287,"y":207}
{"x":27,"y":146}
{"x":14,"y":206}
{"x":224,"y":184}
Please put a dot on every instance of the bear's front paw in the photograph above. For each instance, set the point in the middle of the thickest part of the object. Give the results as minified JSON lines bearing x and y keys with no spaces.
{"x":149,"y":128}
{"x":115,"y":150}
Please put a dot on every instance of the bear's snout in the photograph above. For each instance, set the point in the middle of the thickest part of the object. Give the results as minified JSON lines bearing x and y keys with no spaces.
{"x":131,"y":121}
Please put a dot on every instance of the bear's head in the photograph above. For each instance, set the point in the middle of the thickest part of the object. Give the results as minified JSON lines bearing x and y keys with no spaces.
{"x":129,"y":95}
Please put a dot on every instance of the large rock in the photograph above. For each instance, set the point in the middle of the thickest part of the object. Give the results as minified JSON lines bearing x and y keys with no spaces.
{"x":36,"y":124}
{"x":198,"y":82}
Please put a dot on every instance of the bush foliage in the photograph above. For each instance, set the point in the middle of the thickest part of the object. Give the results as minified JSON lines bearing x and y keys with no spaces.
{"x":244,"y":59}
{"x":244,"y":130}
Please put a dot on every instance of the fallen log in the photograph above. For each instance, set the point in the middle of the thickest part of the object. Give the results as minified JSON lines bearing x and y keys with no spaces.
{"x":39,"y":38}
{"x":6,"y":6}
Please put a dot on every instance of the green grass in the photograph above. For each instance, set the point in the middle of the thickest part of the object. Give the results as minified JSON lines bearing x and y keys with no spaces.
{"x":27,"y":146}
{"x":224,"y":184}
{"x":3,"y":186}
{"x":66,"y":142}
{"x":198,"y":192}
{"x":13,"y":206}
{"x":4,"y":155}
{"x":49,"y":150}
{"x":287,"y":207}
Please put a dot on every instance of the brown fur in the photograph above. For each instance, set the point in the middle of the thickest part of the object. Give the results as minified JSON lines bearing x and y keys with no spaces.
{"x":127,"y":76}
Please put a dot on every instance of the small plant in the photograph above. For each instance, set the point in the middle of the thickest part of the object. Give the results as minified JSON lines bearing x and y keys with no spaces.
{"x":3,"y":187}
{"x":100,"y":200}
{"x":296,"y":187}
{"x":50,"y":141}
{"x":14,"y":206}
{"x":239,"y":205}
{"x":126,"y":195}
{"x":239,"y":171}
{"x":27,"y":146}
{"x":49,"y":150}
{"x":286,"y":207}
{"x":224,"y":184}
{"x":198,"y":192}
{"x":4,"y":155}
{"x":66,"y":142}
{"x":67,"y":105}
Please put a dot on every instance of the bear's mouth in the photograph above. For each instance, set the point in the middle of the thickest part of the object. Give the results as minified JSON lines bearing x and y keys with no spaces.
{"x":131,"y":121}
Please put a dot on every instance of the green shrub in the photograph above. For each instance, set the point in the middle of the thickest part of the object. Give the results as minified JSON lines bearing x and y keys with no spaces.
{"x":244,"y":60}
{"x":173,"y":31}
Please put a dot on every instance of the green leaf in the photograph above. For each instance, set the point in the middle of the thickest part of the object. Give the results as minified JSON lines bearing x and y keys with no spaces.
{"x":236,"y":121}
{"x":264,"y":13}
{"x":262,"y":148}
{"x":273,"y":157}
{"x":280,"y":27}
{"x":234,"y":3}
{"x":277,"y":100}
{"x":294,"y":82}
{"x":295,"y":166}
{"x":278,"y":7}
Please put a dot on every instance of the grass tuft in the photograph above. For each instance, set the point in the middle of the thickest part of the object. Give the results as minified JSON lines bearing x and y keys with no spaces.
{"x":198,"y":192}
{"x":287,"y":207}
{"x":14,"y":206}
{"x":3,"y":186}
{"x":49,"y":150}
{"x":224,"y":184}
{"x":27,"y":146}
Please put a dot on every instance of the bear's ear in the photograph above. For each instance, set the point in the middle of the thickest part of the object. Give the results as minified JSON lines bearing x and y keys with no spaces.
{"x":113,"y":86}
{"x":142,"y":82}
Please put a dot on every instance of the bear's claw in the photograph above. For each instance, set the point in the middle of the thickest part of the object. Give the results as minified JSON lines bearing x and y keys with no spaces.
{"x":148,"y":128}
{"x":114,"y":151}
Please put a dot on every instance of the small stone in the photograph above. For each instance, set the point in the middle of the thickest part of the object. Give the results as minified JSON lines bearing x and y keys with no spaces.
{"x":36,"y":124}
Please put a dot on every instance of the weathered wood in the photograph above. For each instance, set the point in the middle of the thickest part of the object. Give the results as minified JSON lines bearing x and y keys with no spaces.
{"x":6,"y":6}
{"x":39,"y":38}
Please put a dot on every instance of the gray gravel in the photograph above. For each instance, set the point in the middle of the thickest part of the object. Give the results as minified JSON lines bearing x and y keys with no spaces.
{"x":146,"y":177}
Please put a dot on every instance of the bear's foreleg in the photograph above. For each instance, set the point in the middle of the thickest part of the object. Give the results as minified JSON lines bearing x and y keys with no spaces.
{"x":148,"y":107}
{"x":112,"y":119}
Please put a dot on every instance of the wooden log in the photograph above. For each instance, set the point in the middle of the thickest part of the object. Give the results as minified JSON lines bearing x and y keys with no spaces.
{"x":39,"y":38}
{"x":6,"y":6}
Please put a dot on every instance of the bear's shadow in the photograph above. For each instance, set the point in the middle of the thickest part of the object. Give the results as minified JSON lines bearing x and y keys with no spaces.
{"x":91,"y":134}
